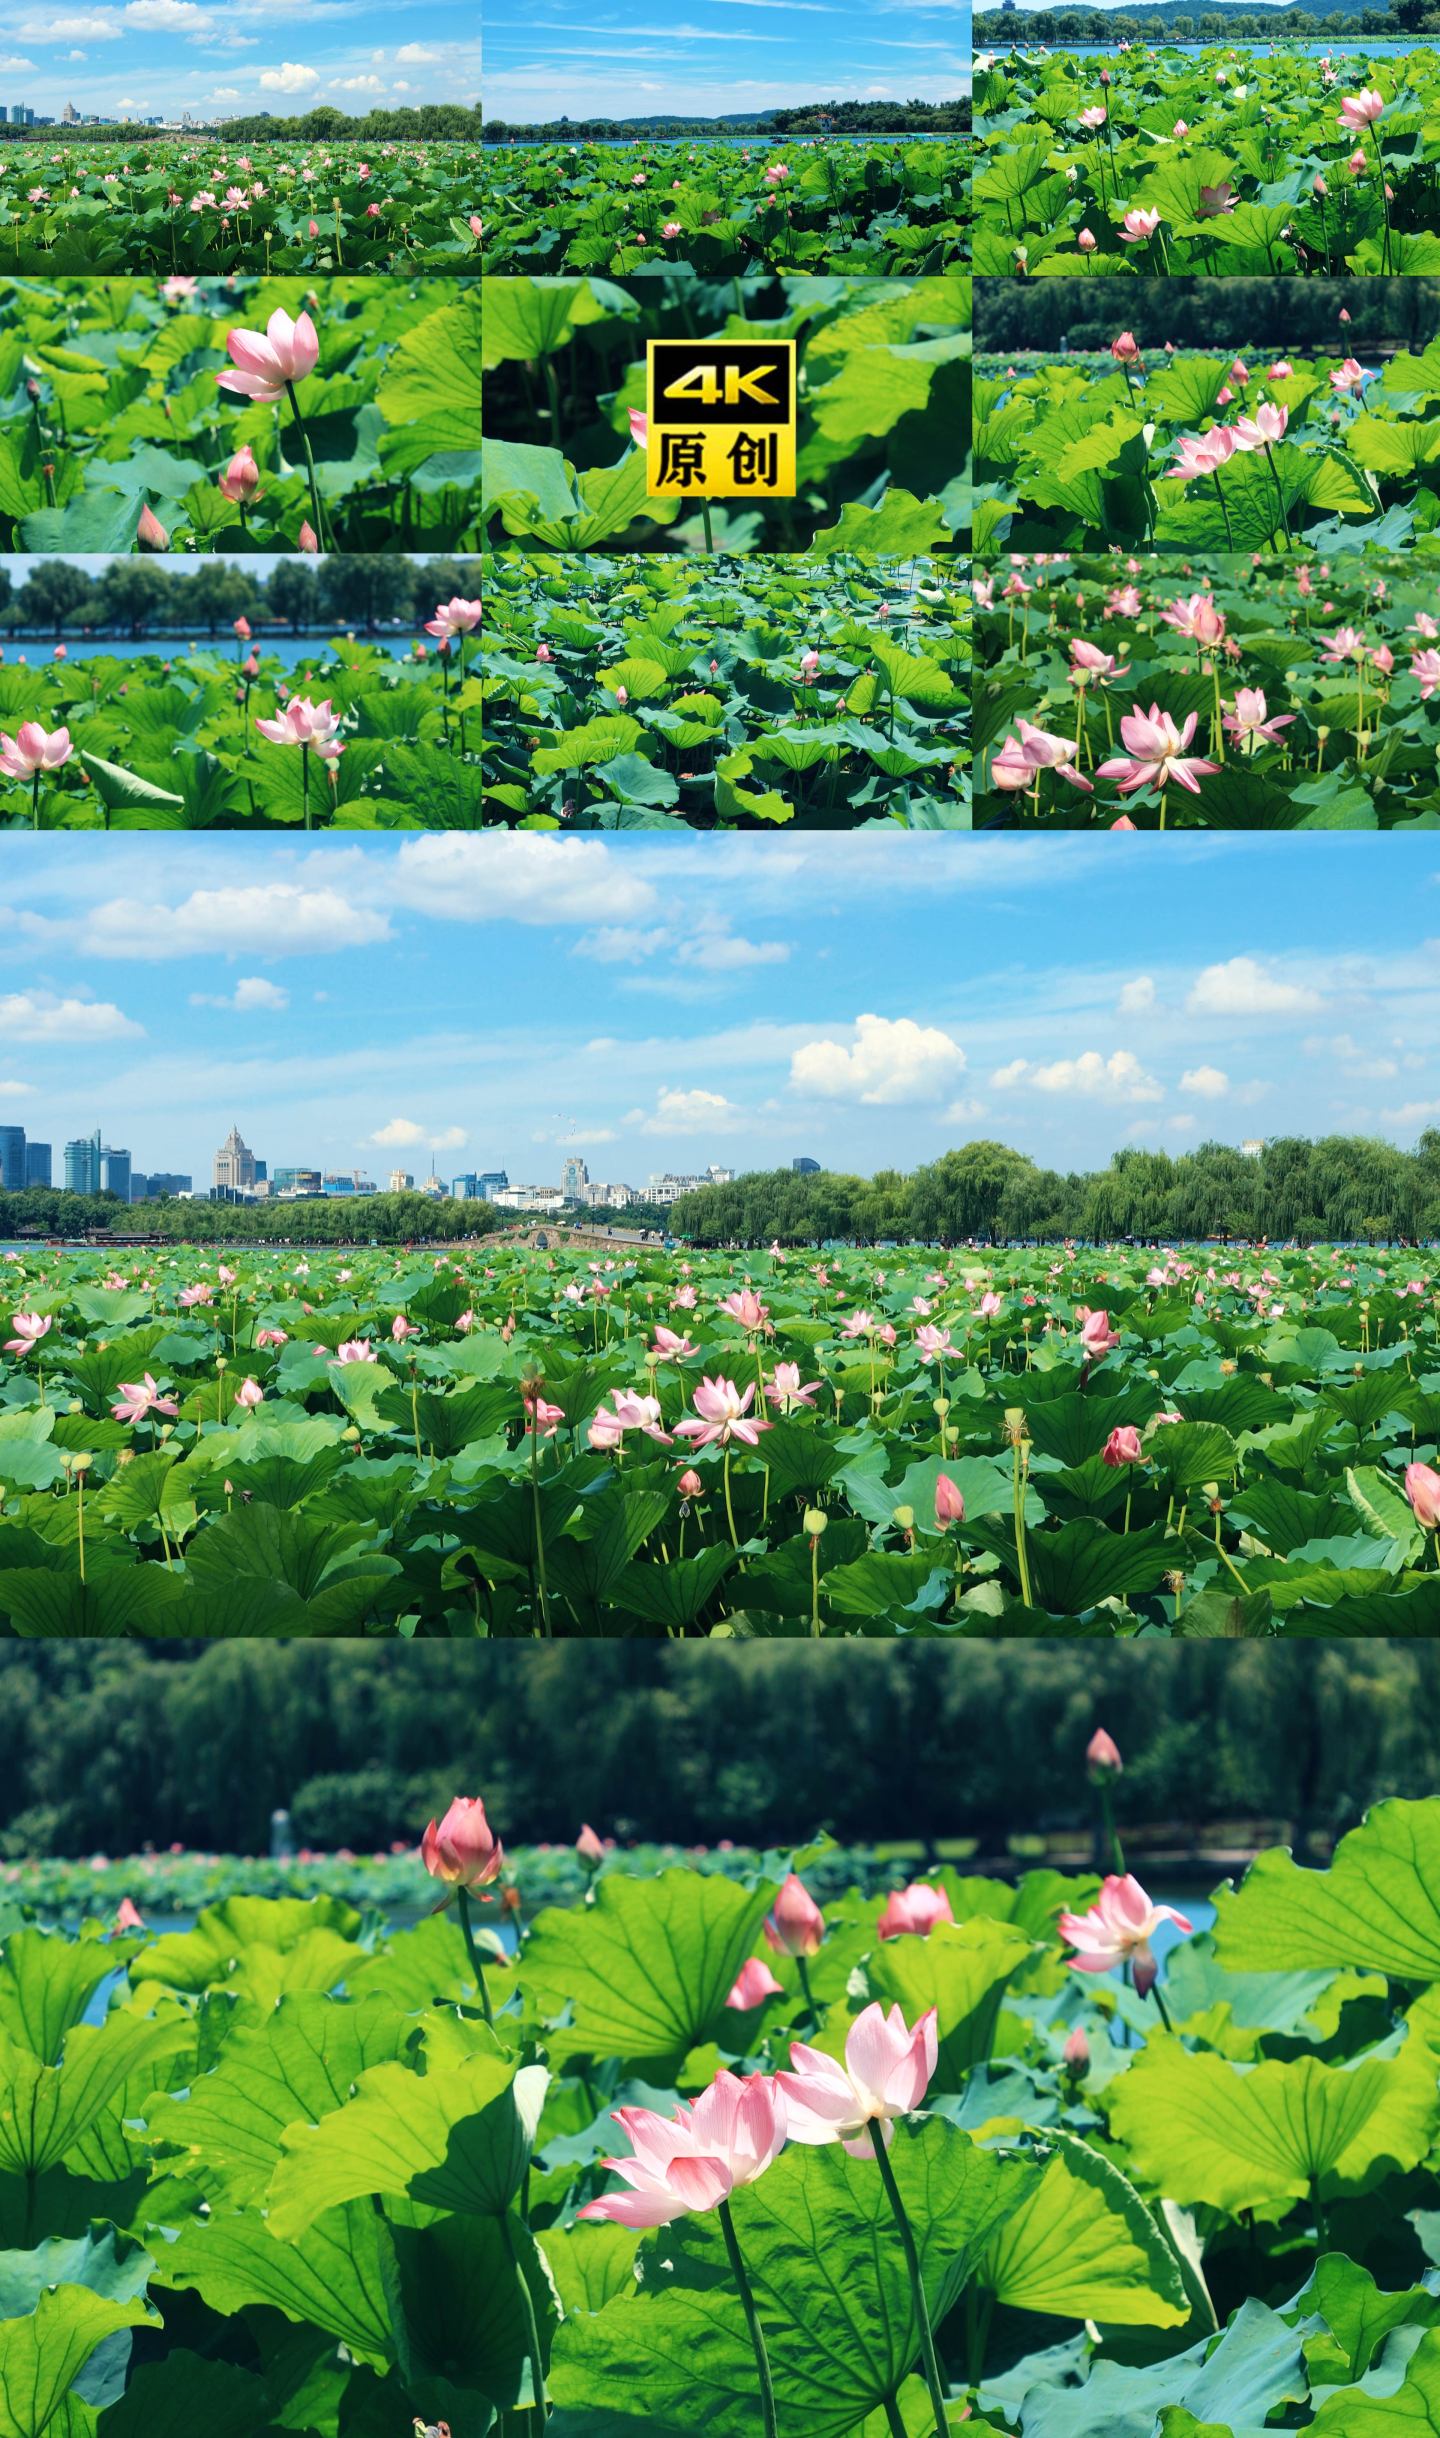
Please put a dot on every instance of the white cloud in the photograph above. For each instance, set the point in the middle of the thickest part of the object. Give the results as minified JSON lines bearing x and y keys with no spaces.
{"x":168,"y":17}
{"x":274,"y":918}
{"x":71,"y":29}
{"x":724,"y":952}
{"x":1412,"y":1113}
{"x":415,"y":55}
{"x":1207,"y":1083}
{"x":891,"y":1060}
{"x":360,"y":84}
{"x":253,"y":993}
{"x":1137,"y":998}
{"x":290,"y":77}
{"x":518,"y":877}
{"x":226,"y":93}
{"x":453,"y":1138}
{"x":1357,"y":1063}
{"x":10,"y":1090}
{"x":22,"y":67}
{"x":686,"y":1113}
{"x":1088,"y":1077}
{"x":40,"y":1016}
{"x":587,"y":1134}
{"x":400,"y":1134}
{"x":1242,"y":987}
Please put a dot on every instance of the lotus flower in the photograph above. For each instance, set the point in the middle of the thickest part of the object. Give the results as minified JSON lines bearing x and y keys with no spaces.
{"x":685,"y":2164}
{"x":265,"y":364}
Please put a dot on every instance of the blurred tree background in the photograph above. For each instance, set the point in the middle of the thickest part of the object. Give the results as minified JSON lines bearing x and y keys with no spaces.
{"x":1261,"y":318}
{"x":114,"y":1748}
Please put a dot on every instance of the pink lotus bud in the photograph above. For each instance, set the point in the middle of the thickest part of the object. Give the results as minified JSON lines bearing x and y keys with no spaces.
{"x":796,"y":1926}
{"x":1102,"y":1756}
{"x":462,"y":1850}
{"x":949,"y":1504}
{"x":150,"y":533}
{"x":589,"y":1847}
{"x":754,"y":1983}
{"x":691,"y":1486}
{"x":307,"y":538}
{"x":1076,"y":2051}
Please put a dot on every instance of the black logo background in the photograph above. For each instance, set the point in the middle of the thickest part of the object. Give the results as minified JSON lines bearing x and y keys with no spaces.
{"x":676,"y":356}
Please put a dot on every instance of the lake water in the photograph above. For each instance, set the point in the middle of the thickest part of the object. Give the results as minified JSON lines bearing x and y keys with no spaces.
{"x":292,"y":650}
{"x":752,"y":143}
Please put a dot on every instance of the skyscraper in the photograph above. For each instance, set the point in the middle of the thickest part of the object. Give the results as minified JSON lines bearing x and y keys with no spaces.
{"x":82,"y":1164}
{"x":37,"y":1163}
{"x":12,"y":1158}
{"x":234,"y":1165}
{"x":115,"y":1172}
{"x":574,"y":1177}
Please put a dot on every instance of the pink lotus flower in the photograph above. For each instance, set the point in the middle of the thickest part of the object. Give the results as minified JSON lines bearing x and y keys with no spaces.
{"x":1196,"y":617}
{"x":1126,"y":349}
{"x":1426,"y":666}
{"x":139,"y":1399}
{"x":1200,"y":454}
{"x":723,"y":1415}
{"x":455,"y":617}
{"x":31,"y":750}
{"x":305,"y":723}
{"x":1249,"y":724}
{"x":1422,"y":1488}
{"x":29,"y":1328}
{"x":1102,"y":1756}
{"x":241,"y":481}
{"x":949,"y":1503}
{"x":745,"y":1307}
{"x":264,"y":365}
{"x":540,"y":1417}
{"x":690,"y":2162}
{"x":886,"y":2073}
{"x":1216,"y":199}
{"x":1094,"y":117}
{"x":248,"y":1395}
{"x":933,"y":1345}
{"x":788,"y":1391}
{"x":1262,"y":429}
{"x":356,"y":1350}
{"x":1022,"y":757}
{"x":1096,"y":1335}
{"x":1155,"y":753}
{"x":795,"y":1925}
{"x":128,"y":1915}
{"x":1347,"y":377}
{"x":463,"y":1850}
{"x":754,"y":1983}
{"x":639,"y":427}
{"x":401,"y":1329}
{"x":1359,"y":111}
{"x":1089,"y":661}
{"x":270,"y":1337}
{"x":914,"y":1911}
{"x":668,"y":1348}
{"x":1137,"y":227}
{"x":588,"y":1846}
{"x":1117,"y":1928}
{"x":307,"y":539}
{"x":1123,"y":1446}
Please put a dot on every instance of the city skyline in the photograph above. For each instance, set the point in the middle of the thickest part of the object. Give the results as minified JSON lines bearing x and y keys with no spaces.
{"x":163,"y":57}
{"x":500,"y":1002}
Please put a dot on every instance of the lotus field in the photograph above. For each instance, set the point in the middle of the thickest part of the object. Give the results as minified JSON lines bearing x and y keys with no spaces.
{"x":202,"y":206}
{"x":883,"y":383}
{"x":1025,"y":2159}
{"x":1179,"y":451}
{"x":250,"y":414}
{"x":1207,"y":161}
{"x":1234,"y":694}
{"x":507,"y":1441}
{"x":352,"y":738}
{"x":807,"y":205}
{"x":738,"y":694}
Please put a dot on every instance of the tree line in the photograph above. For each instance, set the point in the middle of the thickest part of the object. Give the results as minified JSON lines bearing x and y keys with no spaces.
{"x":1342,"y":1189}
{"x":1016,"y":315}
{"x":761,"y":1743}
{"x":427,"y":123}
{"x":140,"y":596}
{"x":802,"y":118}
{"x":997,"y":29}
{"x":401,"y":1218}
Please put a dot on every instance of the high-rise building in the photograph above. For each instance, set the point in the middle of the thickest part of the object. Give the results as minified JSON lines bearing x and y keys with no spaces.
{"x":162,"y":1181}
{"x":805,"y":1168}
{"x":465,"y":1189}
{"x":235,"y":1165}
{"x":82,"y":1164}
{"x":139,"y":1185}
{"x":37,"y":1163}
{"x":574,"y":1177}
{"x":490,"y":1182}
{"x":115,"y":1172}
{"x":12,"y":1159}
{"x":401,"y":1181}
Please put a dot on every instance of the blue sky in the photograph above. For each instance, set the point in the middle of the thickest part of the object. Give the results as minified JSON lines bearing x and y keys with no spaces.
{"x":661,"y":1004}
{"x":226,"y":58}
{"x":552,"y":59}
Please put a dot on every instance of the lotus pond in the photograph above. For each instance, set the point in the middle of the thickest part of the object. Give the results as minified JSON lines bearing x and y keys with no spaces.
{"x":510,"y":1442}
{"x":743,"y":692}
{"x":979,"y":2157}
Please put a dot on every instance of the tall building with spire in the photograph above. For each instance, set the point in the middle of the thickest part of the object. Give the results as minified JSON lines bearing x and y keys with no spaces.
{"x":235,"y":1165}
